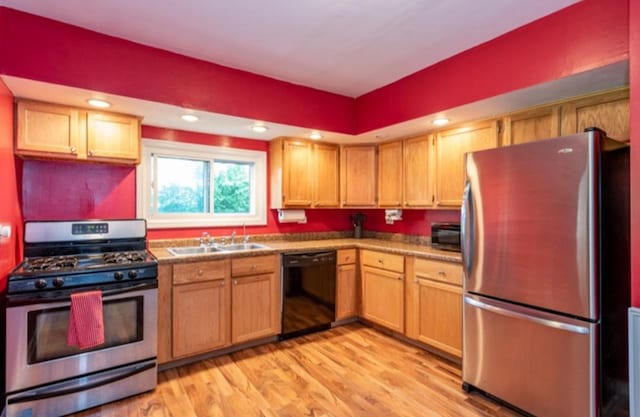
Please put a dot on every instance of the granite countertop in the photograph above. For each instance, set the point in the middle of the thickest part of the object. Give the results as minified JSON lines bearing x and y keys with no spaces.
{"x":420,"y":250}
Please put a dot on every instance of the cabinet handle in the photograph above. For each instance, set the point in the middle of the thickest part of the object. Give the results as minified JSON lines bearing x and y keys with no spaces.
{"x":200,"y":272}
{"x":253,"y":266}
{"x":380,"y":261}
{"x":442,"y":273}
{"x":73,"y":149}
{"x":91,"y":152}
{"x":235,"y":282}
{"x":400,"y":277}
{"x":416,"y":280}
{"x":222,"y":284}
{"x":346,"y":258}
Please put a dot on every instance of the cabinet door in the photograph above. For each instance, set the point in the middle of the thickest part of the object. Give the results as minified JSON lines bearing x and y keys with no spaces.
{"x":113,"y":136}
{"x":346,"y":291}
{"x":451,"y":146}
{"x":383,"y":297}
{"x":296,"y":174}
{"x":390,"y":174}
{"x":44,"y":129}
{"x":434,"y":304}
{"x":255,"y":307}
{"x":326,"y":186}
{"x":532,"y":125}
{"x":417,"y":175}
{"x":200,"y":317}
{"x":608,"y":111}
{"x":439,"y":310}
{"x":358,"y":176}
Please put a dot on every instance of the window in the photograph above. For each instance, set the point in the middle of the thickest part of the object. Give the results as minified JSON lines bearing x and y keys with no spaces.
{"x":186,"y":185}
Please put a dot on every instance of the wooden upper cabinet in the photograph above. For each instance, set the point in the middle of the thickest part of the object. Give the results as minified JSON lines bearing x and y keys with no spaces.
{"x":390,"y":174}
{"x":532,"y":125}
{"x":607,"y":111}
{"x":451,"y":145}
{"x":417,"y":173}
{"x":358,"y":176}
{"x":52,"y":131}
{"x":48,"y":129}
{"x":303,"y":174}
{"x":113,"y":136}
{"x":326,"y":181}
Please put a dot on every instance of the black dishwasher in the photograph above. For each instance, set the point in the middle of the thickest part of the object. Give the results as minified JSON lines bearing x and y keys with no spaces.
{"x":308,"y":292}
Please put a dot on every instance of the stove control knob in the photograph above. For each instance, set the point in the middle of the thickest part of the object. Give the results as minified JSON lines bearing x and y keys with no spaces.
{"x":41,"y":284}
{"x":133,"y":273}
{"x":118,"y":276}
{"x":58,"y":282}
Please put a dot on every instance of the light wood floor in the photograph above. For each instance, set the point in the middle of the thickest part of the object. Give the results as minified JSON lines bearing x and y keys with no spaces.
{"x":347,"y":371}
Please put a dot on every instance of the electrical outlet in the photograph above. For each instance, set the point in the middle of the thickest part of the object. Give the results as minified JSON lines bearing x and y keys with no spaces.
{"x":5,"y":231}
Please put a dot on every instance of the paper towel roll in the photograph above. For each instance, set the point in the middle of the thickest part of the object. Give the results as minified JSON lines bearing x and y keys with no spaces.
{"x":292,"y":216}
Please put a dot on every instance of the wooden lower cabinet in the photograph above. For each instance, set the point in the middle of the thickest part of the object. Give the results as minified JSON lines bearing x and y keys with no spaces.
{"x":346,"y":284}
{"x":200,"y":307}
{"x":255,"y":298}
{"x":434,"y":304}
{"x":383,"y":289}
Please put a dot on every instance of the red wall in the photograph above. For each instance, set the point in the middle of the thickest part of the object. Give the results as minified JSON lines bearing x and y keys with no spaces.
{"x":51,"y":51}
{"x":587,"y":35}
{"x":634,"y":52}
{"x":9,"y":208}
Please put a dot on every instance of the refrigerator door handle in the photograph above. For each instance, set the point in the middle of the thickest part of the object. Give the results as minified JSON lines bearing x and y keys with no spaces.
{"x":466,"y":230}
{"x":515,"y":314}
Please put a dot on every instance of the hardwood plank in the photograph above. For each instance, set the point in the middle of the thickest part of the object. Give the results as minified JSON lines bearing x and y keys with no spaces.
{"x":347,"y":371}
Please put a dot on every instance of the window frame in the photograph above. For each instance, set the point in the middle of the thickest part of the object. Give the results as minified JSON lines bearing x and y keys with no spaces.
{"x":184,"y":150}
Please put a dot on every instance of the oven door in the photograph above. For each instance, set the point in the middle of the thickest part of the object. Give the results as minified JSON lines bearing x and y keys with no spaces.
{"x":37,"y":350}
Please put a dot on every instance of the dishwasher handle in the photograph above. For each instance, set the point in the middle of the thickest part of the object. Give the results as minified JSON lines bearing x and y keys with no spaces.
{"x":308,"y":259}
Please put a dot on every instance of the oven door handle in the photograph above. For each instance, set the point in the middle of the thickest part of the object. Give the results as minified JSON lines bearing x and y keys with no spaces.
{"x":118,"y":291}
{"x":26,"y":300}
{"x":42,"y":393}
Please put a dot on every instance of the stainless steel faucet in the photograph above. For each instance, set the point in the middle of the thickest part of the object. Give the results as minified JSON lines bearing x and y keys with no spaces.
{"x":205,"y":239}
{"x":245,"y":236}
{"x":233,"y":237}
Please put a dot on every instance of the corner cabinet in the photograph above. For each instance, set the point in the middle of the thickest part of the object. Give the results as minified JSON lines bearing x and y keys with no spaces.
{"x":303,"y":174}
{"x":255,"y":297}
{"x":200,"y":307}
{"x":52,"y":131}
{"x":383,"y":289}
{"x":358,"y":176}
{"x":434,"y":304}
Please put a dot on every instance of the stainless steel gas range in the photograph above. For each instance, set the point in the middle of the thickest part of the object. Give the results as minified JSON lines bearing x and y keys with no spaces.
{"x":45,"y":376}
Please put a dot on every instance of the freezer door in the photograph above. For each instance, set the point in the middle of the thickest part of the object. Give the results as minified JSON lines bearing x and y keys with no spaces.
{"x":541,"y":363}
{"x":529,"y":224}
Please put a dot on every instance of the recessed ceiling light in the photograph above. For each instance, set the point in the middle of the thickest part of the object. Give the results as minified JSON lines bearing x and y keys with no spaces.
{"x":440,"y":121}
{"x":315,"y":135}
{"x":259,"y":128}
{"x":96,"y":102}
{"x":190,"y":118}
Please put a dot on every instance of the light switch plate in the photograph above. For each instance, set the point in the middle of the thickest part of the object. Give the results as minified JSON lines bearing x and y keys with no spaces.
{"x":5,"y":231}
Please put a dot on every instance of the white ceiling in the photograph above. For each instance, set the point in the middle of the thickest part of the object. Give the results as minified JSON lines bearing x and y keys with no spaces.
{"x":345,"y":47}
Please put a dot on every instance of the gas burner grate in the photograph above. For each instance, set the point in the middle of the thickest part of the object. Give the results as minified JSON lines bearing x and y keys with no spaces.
{"x":124,"y":257}
{"x":53,"y":263}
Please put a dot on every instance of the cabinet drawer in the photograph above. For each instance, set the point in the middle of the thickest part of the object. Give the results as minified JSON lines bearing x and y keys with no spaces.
{"x":253,"y":265}
{"x":346,"y":256}
{"x":383,"y":260}
{"x":199,"y":271}
{"x":439,"y":271}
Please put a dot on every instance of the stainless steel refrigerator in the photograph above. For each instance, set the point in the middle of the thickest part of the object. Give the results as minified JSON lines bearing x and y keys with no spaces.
{"x":545,"y":230}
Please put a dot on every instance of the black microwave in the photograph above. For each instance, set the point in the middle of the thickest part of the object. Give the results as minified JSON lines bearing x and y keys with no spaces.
{"x":445,"y":236}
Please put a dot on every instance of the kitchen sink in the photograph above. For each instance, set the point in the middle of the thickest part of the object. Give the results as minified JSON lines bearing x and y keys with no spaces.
{"x":192,"y":250}
{"x":242,"y":246}
{"x":202,"y":250}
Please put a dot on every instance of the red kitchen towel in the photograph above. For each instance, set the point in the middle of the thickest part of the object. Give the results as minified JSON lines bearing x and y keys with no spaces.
{"x":86,"y":326}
